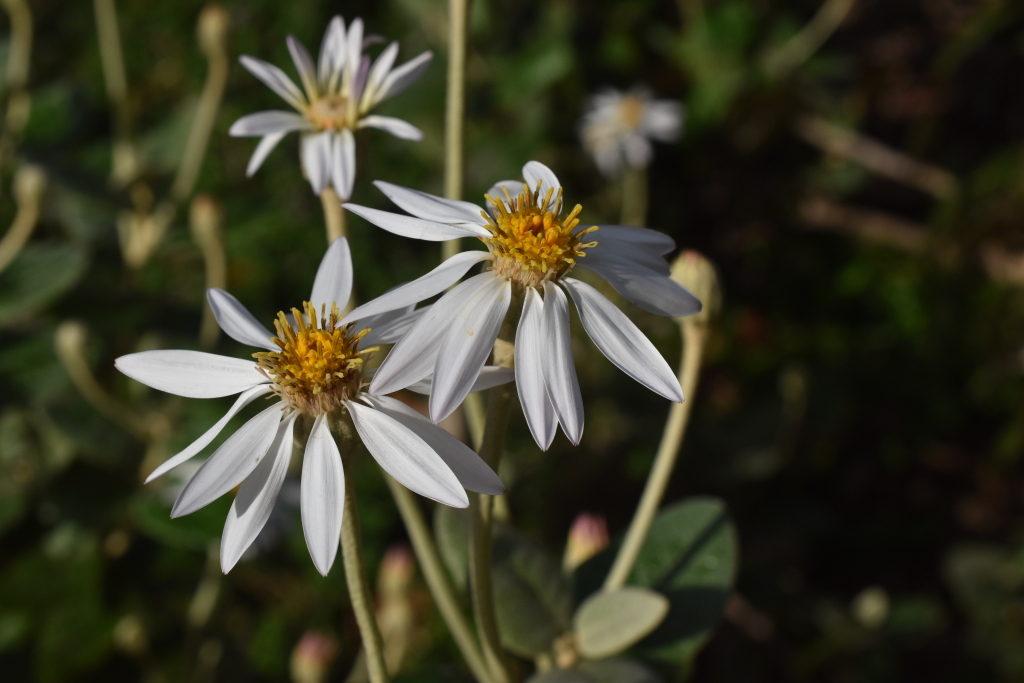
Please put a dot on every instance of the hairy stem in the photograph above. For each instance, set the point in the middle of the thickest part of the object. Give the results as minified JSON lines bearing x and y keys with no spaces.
{"x":634,"y":196}
{"x":694,"y":338}
{"x":458,"y":14}
{"x":437,"y":580}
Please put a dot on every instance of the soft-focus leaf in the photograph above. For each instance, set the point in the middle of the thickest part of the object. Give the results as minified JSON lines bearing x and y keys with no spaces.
{"x":608,"y":623}
{"x":191,"y":532}
{"x":39,"y":274}
{"x":452,"y":528}
{"x":563,"y":676}
{"x":619,"y":670}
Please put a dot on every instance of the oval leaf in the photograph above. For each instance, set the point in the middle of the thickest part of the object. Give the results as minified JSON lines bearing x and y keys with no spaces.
{"x":608,"y":623}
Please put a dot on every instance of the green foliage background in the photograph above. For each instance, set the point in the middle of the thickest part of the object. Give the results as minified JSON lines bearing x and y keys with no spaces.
{"x":861,"y":411}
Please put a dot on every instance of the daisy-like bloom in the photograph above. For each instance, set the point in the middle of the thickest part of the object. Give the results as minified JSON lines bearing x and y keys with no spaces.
{"x":531,"y":250}
{"x":336,"y":98}
{"x":618,"y":127}
{"x":313,"y":368}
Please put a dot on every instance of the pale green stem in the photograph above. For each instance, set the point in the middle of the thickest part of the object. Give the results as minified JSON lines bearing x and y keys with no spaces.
{"x":437,"y":581}
{"x":18,"y":100}
{"x":634,"y":196}
{"x":694,"y":338}
{"x":29,"y":187}
{"x":455,"y":112}
{"x":334,"y":216}
{"x":125,"y":160}
{"x":800,"y":47}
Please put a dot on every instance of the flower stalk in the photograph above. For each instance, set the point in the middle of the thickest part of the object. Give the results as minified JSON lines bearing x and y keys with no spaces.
{"x":634,"y":196}
{"x":334,"y":217}
{"x":455,"y":119}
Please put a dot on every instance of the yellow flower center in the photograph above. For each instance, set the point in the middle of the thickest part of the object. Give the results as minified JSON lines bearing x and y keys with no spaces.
{"x":631,"y":112}
{"x":530,"y":242}
{"x":319,"y":364}
{"x":329,"y":113}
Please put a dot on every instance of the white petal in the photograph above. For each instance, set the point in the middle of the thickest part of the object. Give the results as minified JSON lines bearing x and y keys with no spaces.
{"x":434,"y":282}
{"x":469,"y":340}
{"x":255,"y":499}
{"x":651,"y":291}
{"x":514,"y":187}
{"x":303,"y":64}
{"x":332,"y":54}
{"x":276,"y":80}
{"x":416,"y":228}
{"x":236,"y":320}
{"x":244,"y":399}
{"x":658,"y":242}
{"x":388,"y":328}
{"x":472,"y":472}
{"x":353,"y":48}
{"x":397,"y":127}
{"x":621,"y":342}
{"x":231,"y":463}
{"x":333,"y":283}
{"x":560,"y":369}
{"x":490,"y":376}
{"x":611,"y":247}
{"x":268,"y":123}
{"x":262,"y":151}
{"x":412,"y":358}
{"x":344,"y":160}
{"x":404,"y":76}
{"x":322,"y":499}
{"x":663,"y":120}
{"x":378,"y":72}
{"x":316,"y":159}
{"x":535,"y":171}
{"x":193,"y":374}
{"x":430,"y":207}
{"x":531,"y":355}
{"x":406,"y":456}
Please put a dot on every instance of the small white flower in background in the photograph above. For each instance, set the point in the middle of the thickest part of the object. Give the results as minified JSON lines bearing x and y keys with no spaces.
{"x":336,"y":98}
{"x":314,"y":367}
{"x":618,"y":126}
{"x":531,"y":248}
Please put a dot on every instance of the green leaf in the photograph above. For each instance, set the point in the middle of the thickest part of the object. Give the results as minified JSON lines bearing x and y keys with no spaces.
{"x":608,"y":623}
{"x":191,"y":532}
{"x":619,"y":670}
{"x":452,"y":529}
{"x":73,"y":637}
{"x":39,"y":275}
{"x":563,"y":676}
{"x":532,"y":596}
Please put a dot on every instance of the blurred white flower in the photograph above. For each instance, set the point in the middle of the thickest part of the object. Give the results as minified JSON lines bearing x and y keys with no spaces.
{"x":336,"y":98}
{"x":532,"y":248}
{"x":618,"y":126}
{"x":314,"y":366}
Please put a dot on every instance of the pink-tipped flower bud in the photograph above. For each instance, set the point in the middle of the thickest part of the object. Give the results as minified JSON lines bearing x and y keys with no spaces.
{"x":587,"y":537}
{"x":312,"y":657}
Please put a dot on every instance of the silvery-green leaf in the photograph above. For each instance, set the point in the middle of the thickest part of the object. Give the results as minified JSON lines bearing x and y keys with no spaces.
{"x":452,"y":527}
{"x":608,"y":623}
{"x":562,"y":676}
{"x":619,"y":670}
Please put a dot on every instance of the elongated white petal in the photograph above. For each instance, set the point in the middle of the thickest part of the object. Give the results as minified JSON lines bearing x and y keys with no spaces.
{"x":434,"y":282}
{"x":430,"y":207}
{"x":397,"y":127}
{"x":263,"y":149}
{"x":322,"y":498}
{"x":344,"y":161}
{"x":612,"y":248}
{"x":255,"y":499}
{"x":404,"y":76}
{"x":353,"y":48}
{"x":535,"y":171}
{"x":651,"y":291}
{"x":560,"y":369}
{"x":244,"y":399}
{"x":531,"y":356}
{"x":406,"y":456}
{"x":658,"y":242}
{"x":412,"y":358}
{"x":490,"y":376}
{"x":304,"y":65}
{"x":514,"y":187}
{"x":268,"y":123}
{"x":236,"y":320}
{"x":276,"y":80}
{"x":193,"y":374}
{"x":317,"y":151}
{"x":472,"y":472}
{"x":416,"y":228}
{"x":388,"y":328}
{"x":467,"y":344}
{"x":332,"y":54}
{"x":231,"y":463}
{"x":380,"y":69}
{"x":333,"y":283}
{"x":621,"y":342}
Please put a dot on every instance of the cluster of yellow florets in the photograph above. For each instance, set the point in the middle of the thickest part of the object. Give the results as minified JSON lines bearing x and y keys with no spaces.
{"x":530,"y":242}
{"x":329,"y":112}
{"x":319,"y":363}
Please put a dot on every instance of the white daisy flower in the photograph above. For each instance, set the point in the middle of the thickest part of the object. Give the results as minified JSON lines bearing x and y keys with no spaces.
{"x":531,"y":250}
{"x":618,"y":126}
{"x":336,"y":98}
{"x":314,"y":368}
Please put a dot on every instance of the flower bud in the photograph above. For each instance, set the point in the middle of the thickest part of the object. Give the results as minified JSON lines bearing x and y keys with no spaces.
{"x":204,"y":219}
{"x":396,"y":572}
{"x":29,"y":183}
{"x":587,"y":537}
{"x":212,"y":29}
{"x":693,"y":271}
{"x":312,"y":657}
